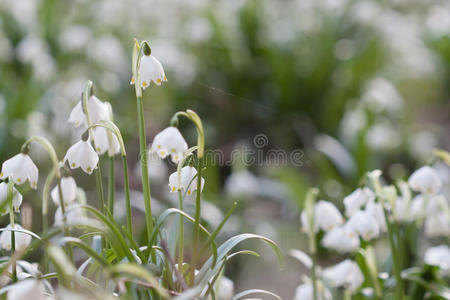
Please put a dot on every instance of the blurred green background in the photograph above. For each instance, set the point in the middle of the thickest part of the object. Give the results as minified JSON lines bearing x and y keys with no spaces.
{"x":355,"y":85}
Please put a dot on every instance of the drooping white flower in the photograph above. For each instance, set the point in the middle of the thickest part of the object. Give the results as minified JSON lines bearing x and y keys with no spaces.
{"x":187,"y":181}
{"x":225,"y":289}
{"x":27,"y":289}
{"x":438,"y":256}
{"x":16,"y":198}
{"x":242,"y":183}
{"x":68,"y":189}
{"x":101,"y":137}
{"x":97,"y":111}
{"x":437,"y":224}
{"x":22,"y":239}
{"x":81,"y":154}
{"x":342,"y":239}
{"x":150,"y":69}
{"x":364,"y":224}
{"x":375,"y":209}
{"x":345,"y":274}
{"x":170,"y":142}
{"x":74,"y":215}
{"x":357,"y":199}
{"x":21,"y":168}
{"x":327,"y":216}
{"x":425,"y":180}
{"x":427,"y":205}
{"x":306,"y":292}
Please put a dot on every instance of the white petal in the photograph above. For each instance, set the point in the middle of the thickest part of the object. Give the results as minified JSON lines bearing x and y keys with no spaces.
{"x":27,"y":289}
{"x":425,"y":180}
{"x":17,"y":198}
{"x":21,"y":168}
{"x":69,"y":191}
{"x":81,"y":154}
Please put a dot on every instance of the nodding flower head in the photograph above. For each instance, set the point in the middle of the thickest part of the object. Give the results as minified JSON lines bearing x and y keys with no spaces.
{"x":364,"y":224}
{"x":81,"y":154}
{"x":342,"y":239}
{"x":425,"y":180}
{"x":188,"y":181}
{"x":16,"y":201}
{"x":326,"y":217}
{"x":345,"y":274}
{"x":357,"y":199}
{"x":29,"y":288}
{"x":22,"y":239}
{"x":150,"y":69}
{"x":21,"y":168}
{"x":170,"y":142}
{"x":101,"y":137}
{"x":68,"y":190}
{"x":98,"y":110}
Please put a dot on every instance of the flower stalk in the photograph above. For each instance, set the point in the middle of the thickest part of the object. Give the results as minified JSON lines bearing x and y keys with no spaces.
{"x":310,"y":201}
{"x":11,"y":221}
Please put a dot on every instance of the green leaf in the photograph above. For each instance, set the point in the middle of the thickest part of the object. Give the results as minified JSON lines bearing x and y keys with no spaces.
{"x":254,"y":291}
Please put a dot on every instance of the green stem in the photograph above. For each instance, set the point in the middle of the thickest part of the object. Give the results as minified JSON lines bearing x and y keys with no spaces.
{"x":313,"y":273}
{"x":395,"y":259}
{"x":9,"y":197}
{"x":127,"y":194}
{"x":195,"y":253}
{"x":99,"y":184}
{"x":111,"y":185}
{"x":144,"y":169}
{"x":347,"y":294}
{"x":181,"y":233}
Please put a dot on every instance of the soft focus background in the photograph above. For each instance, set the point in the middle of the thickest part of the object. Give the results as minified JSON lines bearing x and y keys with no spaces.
{"x":354,"y":84}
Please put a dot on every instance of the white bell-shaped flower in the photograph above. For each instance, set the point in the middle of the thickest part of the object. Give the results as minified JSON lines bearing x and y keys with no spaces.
{"x":81,"y":154}
{"x":150,"y":69}
{"x":327,"y":216}
{"x":345,"y":274}
{"x":27,"y":289}
{"x":305,"y":223}
{"x":101,"y":137}
{"x":68,"y":189}
{"x":187,"y":182}
{"x":357,"y":199}
{"x":97,"y":111}
{"x":425,"y":180}
{"x":437,"y":224}
{"x":342,"y":239}
{"x":16,"y":200}
{"x":364,"y":224}
{"x":74,"y":215}
{"x":170,"y":142}
{"x":306,"y":292}
{"x":402,"y":211}
{"x":225,"y":289}
{"x":375,"y":209}
{"x":22,"y":239}
{"x":438,"y":256}
{"x":21,"y":168}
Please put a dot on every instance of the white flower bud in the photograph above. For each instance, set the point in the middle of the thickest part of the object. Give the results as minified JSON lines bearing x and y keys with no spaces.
{"x":225,"y":289}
